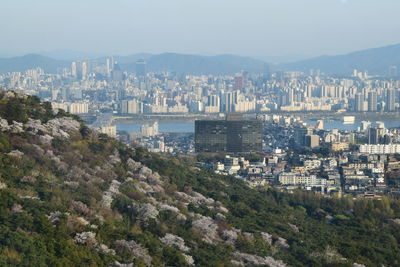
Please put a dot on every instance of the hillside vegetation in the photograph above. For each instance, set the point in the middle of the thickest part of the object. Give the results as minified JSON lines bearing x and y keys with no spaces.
{"x":72,"y":197}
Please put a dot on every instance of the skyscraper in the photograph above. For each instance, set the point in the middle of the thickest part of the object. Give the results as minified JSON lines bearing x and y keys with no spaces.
{"x":109,"y":66}
{"x":74,"y":69}
{"x":233,"y":135}
{"x":290,"y":97}
{"x":213,"y":100}
{"x":300,"y":135}
{"x":131,"y":107}
{"x":266,"y":73}
{"x":359,"y":102}
{"x":372,"y":102}
{"x":311,"y":141}
{"x":117,"y":73}
{"x":228,"y":99}
{"x":374,"y":135}
{"x":85,"y":69}
{"x":390,"y":100}
{"x":239,"y":83}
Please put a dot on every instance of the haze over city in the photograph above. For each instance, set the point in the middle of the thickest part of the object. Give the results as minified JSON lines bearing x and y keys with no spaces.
{"x":199,"y":133}
{"x":258,"y":28}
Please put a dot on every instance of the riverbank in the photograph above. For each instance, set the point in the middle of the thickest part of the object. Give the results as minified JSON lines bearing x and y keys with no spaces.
{"x":366,"y":116}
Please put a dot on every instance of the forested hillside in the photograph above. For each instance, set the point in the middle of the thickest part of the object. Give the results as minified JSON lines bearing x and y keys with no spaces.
{"x":70,"y":196}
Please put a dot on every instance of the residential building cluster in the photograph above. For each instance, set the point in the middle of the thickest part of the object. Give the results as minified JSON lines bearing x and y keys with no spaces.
{"x":94,"y":86}
{"x":364,"y":162}
{"x":293,"y":154}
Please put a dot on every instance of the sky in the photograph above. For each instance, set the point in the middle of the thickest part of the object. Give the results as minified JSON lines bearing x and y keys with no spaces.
{"x":242,"y":27}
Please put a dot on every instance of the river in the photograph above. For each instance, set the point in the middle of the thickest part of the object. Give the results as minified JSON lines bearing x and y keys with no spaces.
{"x":188,"y":127}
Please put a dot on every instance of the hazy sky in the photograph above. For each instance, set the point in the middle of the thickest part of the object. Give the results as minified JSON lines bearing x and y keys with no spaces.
{"x":244,"y":27}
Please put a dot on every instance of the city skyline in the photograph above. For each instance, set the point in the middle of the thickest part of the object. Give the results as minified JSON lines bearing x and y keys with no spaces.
{"x":258,"y":28}
{"x":200,"y":133}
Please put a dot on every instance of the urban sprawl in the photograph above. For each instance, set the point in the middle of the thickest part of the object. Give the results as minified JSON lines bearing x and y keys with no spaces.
{"x":270,"y":144}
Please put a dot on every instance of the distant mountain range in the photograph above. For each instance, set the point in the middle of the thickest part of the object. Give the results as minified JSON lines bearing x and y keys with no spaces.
{"x":31,"y":61}
{"x":70,"y":55}
{"x":179,"y":63}
{"x":195,"y":64}
{"x":375,"y":61}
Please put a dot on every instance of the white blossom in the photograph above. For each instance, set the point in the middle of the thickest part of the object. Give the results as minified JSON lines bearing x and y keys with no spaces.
{"x":189,"y":259}
{"x":4,"y":127}
{"x":15,"y":154}
{"x":244,"y":259}
{"x":135,"y":250}
{"x":86,"y":238}
{"x":16,"y":127}
{"x":164,"y":207}
{"x":2,"y":185}
{"x":266,"y":237}
{"x":208,"y":228}
{"x":174,"y":240}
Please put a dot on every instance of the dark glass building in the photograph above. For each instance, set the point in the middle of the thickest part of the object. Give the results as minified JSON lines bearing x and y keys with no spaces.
{"x":233,"y":135}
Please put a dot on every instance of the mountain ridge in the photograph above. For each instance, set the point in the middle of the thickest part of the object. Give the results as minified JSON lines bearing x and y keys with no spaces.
{"x":197,"y":64}
{"x":31,"y":61}
{"x":374,"y":60}
{"x":180,"y":63}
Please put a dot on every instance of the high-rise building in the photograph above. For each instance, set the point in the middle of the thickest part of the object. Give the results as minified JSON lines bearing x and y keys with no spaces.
{"x":290,"y":97}
{"x":109,"y":66}
{"x":312,"y":141}
{"x":149,"y":130}
{"x":85,"y":69}
{"x":391,"y":100}
{"x":300,"y":135}
{"x":141,"y":68}
{"x":233,"y":135}
{"x":372,"y":102}
{"x":117,"y":73}
{"x":228,"y":100}
{"x":359,"y":102}
{"x":239,"y":83}
{"x":196,"y":106}
{"x":365,"y":125}
{"x":393,"y":72}
{"x":109,"y":130}
{"x":78,"y":108}
{"x":320,"y":124}
{"x":374,"y":135}
{"x":74,"y":70}
{"x":131,"y":107}
{"x":266,"y":72}
{"x":213,"y":100}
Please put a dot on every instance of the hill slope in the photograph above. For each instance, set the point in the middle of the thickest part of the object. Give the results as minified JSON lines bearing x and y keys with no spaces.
{"x":375,"y":61}
{"x":71,"y":196}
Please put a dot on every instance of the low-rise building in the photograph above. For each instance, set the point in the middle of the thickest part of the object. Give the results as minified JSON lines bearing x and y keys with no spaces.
{"x":380,"y":149}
